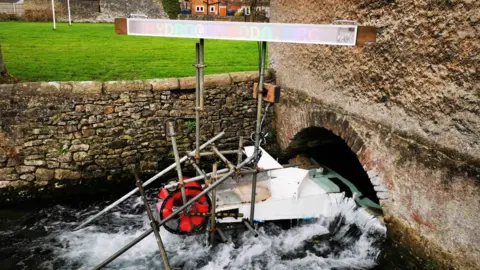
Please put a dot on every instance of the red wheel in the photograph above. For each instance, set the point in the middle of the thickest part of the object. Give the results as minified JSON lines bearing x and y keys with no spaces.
{"x":194,"y":220}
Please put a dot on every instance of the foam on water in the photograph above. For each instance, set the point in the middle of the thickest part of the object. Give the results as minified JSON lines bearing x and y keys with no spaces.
{"x":351,"y":240}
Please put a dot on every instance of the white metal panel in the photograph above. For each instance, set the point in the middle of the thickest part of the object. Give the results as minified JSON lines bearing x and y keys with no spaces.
{"x":283,"y":209}
{"x":270,"y":32}
{"x":266,"y":161}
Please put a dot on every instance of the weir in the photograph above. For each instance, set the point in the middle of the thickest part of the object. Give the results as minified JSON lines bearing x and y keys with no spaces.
{"x":346,"y":35}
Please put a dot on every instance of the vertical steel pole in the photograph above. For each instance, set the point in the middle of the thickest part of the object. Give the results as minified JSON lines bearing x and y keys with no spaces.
{"x":53,"y":12}
{"x":197,"y":102}
{"x":202,"y":72}
{"x":258,"y":128}
{"x":69,"y":15}
{"x":240,"y":148}
{"x":214,"y":205}
{"x":171,"y":132}
{"x":153,"y":224}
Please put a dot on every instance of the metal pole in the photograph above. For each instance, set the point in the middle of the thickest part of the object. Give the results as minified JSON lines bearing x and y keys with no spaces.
{"x":220,"y":172}
{"x":202,"y":71}
{"x":214,"y":206}
{"x":250,"y":228}
{"x":171,"y":132}
{"x":222,"y":235}
{"x":153,"y":224}
{"x":69,"y":15}
{"x":196,"y":178}
{"x":14,"y":9}
{"x":259,"y":127}
{"x":222,"y":157}
{"x":197,"y":102}
{"x":226,"y":152}
{"x":149,"y":181}
{"x":180,"y":209}
{"x":53,"y":12}
{"x":197,"y":168}
{"x":240,"y":149}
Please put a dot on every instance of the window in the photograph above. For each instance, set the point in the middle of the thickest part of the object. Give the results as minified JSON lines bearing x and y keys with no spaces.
{"x":212,"y":8}
{"x":199,"y":8}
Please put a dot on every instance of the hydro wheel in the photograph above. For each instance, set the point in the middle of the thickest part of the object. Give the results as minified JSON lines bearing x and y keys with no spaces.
{"x":194,"y":219}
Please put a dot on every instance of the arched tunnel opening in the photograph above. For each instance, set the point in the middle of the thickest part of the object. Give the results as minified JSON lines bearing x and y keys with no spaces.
{"x":330,"y":150}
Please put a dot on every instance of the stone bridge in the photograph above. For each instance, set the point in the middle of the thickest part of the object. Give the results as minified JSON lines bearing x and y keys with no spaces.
{"x":407,"y":107}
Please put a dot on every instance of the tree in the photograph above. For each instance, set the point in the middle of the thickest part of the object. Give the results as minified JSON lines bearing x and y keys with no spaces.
{"x":172,"y":8}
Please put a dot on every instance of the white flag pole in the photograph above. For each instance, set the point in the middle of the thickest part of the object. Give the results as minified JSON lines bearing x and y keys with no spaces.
{"x":53,"y":12}
{"x":69,"y":16}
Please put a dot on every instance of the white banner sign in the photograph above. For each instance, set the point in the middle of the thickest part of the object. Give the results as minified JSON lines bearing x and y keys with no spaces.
{"x":270,"y":32}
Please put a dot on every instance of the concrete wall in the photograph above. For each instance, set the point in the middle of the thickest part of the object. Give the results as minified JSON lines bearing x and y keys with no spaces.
{"x":55,"y":133}
{"x":412,"y":101}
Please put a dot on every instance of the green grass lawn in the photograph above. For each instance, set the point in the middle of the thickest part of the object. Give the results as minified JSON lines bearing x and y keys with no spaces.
{"x":87,"y":51}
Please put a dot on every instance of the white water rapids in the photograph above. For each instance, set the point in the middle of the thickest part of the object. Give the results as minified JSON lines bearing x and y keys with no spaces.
{"x":350,"y":241}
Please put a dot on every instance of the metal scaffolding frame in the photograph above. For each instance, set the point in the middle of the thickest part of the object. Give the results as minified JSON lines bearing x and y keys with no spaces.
{"x":217,"y":177}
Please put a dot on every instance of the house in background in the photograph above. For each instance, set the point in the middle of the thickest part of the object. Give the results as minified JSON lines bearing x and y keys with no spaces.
{"x":209,"y":7}
{"x":226,"y":7}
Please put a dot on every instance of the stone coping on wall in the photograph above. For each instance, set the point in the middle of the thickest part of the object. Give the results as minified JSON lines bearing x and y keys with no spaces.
{"x":97,"y":87}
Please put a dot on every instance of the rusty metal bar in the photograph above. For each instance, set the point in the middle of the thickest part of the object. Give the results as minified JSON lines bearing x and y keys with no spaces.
{"x":171,"y":132}
{"x":222,"y":235}
{"x":258,"y":128}
{"x":222,"y":157}
{"x":250,"y":228}
{"x":197,"y":102}
{"x":240,"y":149}
{"x":226,"y":152}
{"x":213,"y":223}
{"x":198,"y":169}
{"x":153,"y":224}
{"x":202,"y":72}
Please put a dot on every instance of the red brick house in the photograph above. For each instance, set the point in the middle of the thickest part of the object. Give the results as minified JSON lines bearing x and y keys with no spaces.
{"x":209,"y":7}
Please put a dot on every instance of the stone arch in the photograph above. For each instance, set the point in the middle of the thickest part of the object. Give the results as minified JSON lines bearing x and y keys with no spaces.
{"x":346,"y":129}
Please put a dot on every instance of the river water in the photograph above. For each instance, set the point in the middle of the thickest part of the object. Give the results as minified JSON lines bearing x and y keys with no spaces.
{"x":41,"y":238}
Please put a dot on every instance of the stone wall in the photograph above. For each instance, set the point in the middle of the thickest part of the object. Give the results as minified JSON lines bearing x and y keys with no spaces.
{"x":54,"y":133}
{"x":93,"y":10}
{"x":411,"y":102}
{"x":211,"y":18}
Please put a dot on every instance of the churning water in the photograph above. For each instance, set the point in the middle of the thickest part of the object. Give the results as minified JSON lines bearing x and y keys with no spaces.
{"x":43,"y":239}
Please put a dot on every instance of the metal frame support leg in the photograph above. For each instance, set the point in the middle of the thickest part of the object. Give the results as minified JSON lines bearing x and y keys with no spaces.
{"x":222,"y":157}
{"x":250,"y":228}
{"x":197,"y":102}
{"x":153,"y":224}
{"x":202,"y":72}
{"x":258,"y":127}
{"x":240,"y":150}
{"x":213,"y":222}
{"x":222,"y":235}
{"x":171,"y":132}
